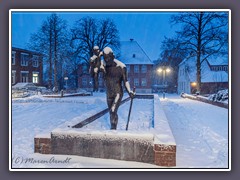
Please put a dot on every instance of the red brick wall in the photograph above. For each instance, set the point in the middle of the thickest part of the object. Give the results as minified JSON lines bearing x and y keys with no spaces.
{"x":18,"y":68}
{"x":131,"y":76}
{"x":42,"y":145}
{"x":140,"y":75}
{"x":165,"y":155}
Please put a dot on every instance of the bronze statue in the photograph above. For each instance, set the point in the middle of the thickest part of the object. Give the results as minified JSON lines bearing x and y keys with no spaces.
{"x":115,"y":75}
{"x":95,"y":63}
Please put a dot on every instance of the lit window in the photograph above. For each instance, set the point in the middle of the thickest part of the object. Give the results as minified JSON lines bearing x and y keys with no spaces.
{"x":13,"y":57}
{"x":24,"y":59}
{"x":35,"y":61}
{"x":35,"y":78}
{"x":136,"y":68}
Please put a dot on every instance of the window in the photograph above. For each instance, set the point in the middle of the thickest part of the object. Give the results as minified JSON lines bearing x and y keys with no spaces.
{"x":35,"y":61}
{"x":128,"y":68}
{"x":24,"y":76}
{"x":134,"y":55}
{"x":144,"y":82}
{"x":13,"y":57}
{"x":225,"y":68}
{"x":136,"y":68}
{"x":136,"y":82}
{"x":144,"y":69}
{"x":13,"y":77}
{"x":85,"y":68}
{"x":35,"y":77}
{"x":100,"y":82}
{"x":24,"y":59}
{"x":84,"y":81}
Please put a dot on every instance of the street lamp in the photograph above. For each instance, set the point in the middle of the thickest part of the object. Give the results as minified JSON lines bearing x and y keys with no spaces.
{"x":164,"y":70}
{"x":66,"y":78}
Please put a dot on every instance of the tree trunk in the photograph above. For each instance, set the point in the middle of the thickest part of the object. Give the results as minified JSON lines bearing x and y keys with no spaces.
{"x":50,"y":61}
{"x":199,"y":43}
{"x":55,"y":60}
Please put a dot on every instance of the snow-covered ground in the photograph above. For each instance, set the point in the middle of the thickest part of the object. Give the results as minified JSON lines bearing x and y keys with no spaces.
{"x":200,"y":130}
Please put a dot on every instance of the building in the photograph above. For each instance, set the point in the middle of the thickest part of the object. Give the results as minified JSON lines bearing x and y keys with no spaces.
{"x":138,"y":64}
{"x":85,"y":80}
{"x":214,"y":75}
{"x":27,"y":66}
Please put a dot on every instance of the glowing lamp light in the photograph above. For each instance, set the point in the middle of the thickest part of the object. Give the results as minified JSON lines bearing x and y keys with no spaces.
{"x":160,"y":70}
{"x":194,"y":84}
{"x":168,"y":70}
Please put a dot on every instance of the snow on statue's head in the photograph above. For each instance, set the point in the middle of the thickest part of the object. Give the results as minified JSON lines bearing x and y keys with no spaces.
{"x":107,"y":50}
{"x":108,"y":54}
{"x":95,"y":48}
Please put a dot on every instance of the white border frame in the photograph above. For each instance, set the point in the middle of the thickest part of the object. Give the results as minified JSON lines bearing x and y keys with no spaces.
{"x":116,"y":10}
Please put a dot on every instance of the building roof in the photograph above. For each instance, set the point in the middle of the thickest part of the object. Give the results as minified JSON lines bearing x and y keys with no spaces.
{"x":132,"y":53}
{"x":218,"y":60}
{"x":206,"y":74}
{"x":26,"y":50}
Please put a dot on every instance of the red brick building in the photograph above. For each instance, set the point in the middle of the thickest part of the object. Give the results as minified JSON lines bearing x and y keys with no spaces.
{"x":139,"y":68}
{"x":27,"y":66}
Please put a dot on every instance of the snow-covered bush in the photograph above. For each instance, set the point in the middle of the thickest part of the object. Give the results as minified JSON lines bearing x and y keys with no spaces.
{"x":220,"y":96}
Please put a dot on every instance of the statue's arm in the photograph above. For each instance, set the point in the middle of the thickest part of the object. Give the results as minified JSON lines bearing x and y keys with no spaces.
{"x":126,"y":83}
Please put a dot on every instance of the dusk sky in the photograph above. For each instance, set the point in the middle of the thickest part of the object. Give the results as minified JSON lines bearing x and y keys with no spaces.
{"x":147,"y":28}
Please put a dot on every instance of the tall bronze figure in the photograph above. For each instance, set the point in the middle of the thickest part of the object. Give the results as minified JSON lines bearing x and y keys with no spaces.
{"x":95,"y":63}
{"x":115,"y":75}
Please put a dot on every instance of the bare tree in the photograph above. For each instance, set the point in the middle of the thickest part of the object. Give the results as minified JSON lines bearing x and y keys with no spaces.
{"x":42,"y":41}
{"x":52,"y":40}
{"x":88,"y":32}
{"x":203,"y":34}
{"x":170,"y":56}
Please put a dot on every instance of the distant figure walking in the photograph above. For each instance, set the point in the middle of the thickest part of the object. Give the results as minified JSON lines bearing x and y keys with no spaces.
{"x":115,"y":75}
{"x":95,"y":63}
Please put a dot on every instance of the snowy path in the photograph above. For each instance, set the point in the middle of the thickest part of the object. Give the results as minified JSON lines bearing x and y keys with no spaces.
{"x":200,"y":131}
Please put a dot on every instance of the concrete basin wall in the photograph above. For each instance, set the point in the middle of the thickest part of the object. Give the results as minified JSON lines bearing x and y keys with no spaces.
{"x":120,"y":146}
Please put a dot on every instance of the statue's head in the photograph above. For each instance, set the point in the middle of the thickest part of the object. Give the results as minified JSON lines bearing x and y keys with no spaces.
{"x":96,"y":50}
{"x":108,"y":55}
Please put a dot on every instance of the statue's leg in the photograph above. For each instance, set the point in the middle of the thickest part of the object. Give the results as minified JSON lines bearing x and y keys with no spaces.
{"x":110,"y":102}
{"x":93,"y":78}
{"x":113,"y":111}
{"x":96,"y":81}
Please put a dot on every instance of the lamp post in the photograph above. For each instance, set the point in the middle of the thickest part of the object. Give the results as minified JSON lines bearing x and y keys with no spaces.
{"x":164,"y":70}
{"x":66,"y":78}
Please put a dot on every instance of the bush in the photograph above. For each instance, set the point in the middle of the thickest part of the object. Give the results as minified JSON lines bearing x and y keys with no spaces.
{"x":220,"y":96}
